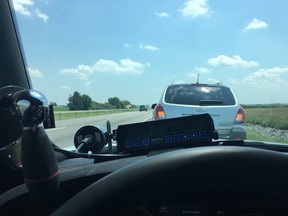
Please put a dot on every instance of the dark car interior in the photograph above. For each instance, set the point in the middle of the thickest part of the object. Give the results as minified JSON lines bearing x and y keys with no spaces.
{"x":202,"y":177}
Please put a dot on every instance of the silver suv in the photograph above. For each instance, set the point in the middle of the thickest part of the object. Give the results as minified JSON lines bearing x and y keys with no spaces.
{"x":192,"y":99}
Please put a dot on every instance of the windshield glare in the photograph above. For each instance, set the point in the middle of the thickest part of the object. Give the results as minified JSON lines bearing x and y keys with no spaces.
{"x":120,"y":55}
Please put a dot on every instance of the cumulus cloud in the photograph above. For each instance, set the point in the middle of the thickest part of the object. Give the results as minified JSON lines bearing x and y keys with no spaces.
{"x":22,"y":6}
{"x":66,"y":87}
{"x":269,"y":75}
{"x":163,"y":14}
{"x":223,"y":60}
{"x":84,"y":72}
{"x":125,"y":66}
{"x":268,"y":85}
{"x":256,"y":24}
{"x":202,"y":70}
{"x":127,"y":45}
{"x":148,"y":47}
{"x":87,"y":83}
{"x":25,"y":7}
{"x":42,"y":15}
{"x":195,"y":8}
{"x":198,"y":70}
{"x":35,"y":73}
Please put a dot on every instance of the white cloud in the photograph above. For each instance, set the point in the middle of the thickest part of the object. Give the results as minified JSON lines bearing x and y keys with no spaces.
{"x":163,"y":14}
{"x":66,"y":87}
{"x":22,"y":6}
{"x":193,"y":75}
{"x":196,"y":71}
{"x":271,"y":75}
{"x":202,"y":70}
{"x":223,"y":60}
{"x":127,"y":45}
{"x":256,"y":24}
{"x":35,"y":73}
{"x":268,"y":85}
{"x":25,"y":7}
{"x":84,"y":72}
{"x":41,"y":15}
{"x":195,"y":8}
{"x":125,"y":66}
{"x":87,"y":83}
{"x":148,"y":47}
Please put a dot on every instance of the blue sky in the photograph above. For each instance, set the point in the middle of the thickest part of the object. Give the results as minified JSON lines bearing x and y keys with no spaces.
{"x":133,"y":49}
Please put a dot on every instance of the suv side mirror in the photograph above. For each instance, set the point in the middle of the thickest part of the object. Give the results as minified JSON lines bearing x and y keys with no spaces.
{"x":153,"y":105}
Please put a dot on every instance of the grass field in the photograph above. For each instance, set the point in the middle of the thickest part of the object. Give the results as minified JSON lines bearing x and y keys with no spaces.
{"x":273,"y":117}
{"x":276,"y":117}
{"x":255,"y":135}
{"x":60,"y":108}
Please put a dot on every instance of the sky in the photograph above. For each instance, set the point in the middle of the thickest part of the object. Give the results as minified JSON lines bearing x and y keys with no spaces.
{"x":133,"y":49}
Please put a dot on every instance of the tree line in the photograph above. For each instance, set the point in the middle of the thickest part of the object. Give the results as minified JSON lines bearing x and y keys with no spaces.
{"x":85,"y":102}
{"x":271,"y":105}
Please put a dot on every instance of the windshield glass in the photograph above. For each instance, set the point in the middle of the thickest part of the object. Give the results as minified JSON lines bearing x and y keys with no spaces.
{"x":109,"y":60}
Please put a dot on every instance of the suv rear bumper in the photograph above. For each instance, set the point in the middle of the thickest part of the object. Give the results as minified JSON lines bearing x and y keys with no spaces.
{"x":237,"y":133}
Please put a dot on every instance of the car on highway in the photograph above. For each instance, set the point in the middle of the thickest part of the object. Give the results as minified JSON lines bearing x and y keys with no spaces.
{"x":143,"y":108}
{"x":88,"y":56}
{"x":197,"y":98}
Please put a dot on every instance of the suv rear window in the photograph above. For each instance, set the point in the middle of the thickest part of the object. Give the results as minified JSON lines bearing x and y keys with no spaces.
{"x":199,"y":95}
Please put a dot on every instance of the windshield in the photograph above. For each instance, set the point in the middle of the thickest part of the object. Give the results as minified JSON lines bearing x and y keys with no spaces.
{"x":108,"y":60}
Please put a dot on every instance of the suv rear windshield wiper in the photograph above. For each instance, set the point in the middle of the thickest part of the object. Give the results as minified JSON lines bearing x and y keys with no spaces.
{"x":210,"y":102}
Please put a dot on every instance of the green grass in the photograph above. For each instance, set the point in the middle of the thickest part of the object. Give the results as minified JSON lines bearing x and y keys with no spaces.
{"x":268,"y":117}
{"x":255,"y":135}
{"x":60,"y":108}
{"x":273,"y":117}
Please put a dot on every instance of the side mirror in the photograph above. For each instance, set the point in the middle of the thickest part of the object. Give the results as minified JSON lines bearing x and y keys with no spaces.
{"x":50,"y":120}
{"x":153,"y":105}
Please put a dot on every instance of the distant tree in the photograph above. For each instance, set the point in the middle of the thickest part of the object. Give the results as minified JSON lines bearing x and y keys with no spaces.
{"x":53,"y":103}
{"x":79,"y":102}
{"x":115,"y":102}
{"x":126,"y":104}
{"x":84,"y":102}
{"x":87,"y":102}
{"x":101,"y":106}
{"x":75,"y":101}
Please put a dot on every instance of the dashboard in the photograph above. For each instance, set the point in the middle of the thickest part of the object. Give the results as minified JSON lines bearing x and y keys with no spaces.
{"x":186,"y":201}
{"x":216,"y":205}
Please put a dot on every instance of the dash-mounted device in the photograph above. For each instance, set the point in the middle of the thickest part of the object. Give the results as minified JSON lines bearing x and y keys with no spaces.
{"x":195,"y":130}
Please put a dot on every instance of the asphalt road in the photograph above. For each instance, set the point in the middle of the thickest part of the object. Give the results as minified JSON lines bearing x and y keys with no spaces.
{"x":63,"y":134}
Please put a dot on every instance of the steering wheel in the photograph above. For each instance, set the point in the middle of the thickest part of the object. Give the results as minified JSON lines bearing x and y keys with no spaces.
{"x":204,"y":169}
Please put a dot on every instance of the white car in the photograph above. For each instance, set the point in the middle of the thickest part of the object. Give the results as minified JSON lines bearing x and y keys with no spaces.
{"x":217,"y":100}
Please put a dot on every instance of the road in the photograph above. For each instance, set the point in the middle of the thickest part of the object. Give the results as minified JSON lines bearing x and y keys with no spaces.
{"x":63,"y":134}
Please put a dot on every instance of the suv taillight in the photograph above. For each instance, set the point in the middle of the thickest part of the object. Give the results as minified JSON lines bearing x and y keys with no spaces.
{"x":240,"y":116}
{"x":159,"y":112}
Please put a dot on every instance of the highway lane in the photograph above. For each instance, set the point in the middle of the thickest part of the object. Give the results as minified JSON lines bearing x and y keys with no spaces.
{"x":63,"y":134}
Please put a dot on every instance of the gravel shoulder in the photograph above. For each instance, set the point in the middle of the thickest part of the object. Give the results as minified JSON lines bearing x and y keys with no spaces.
{"x":272,"y":132}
